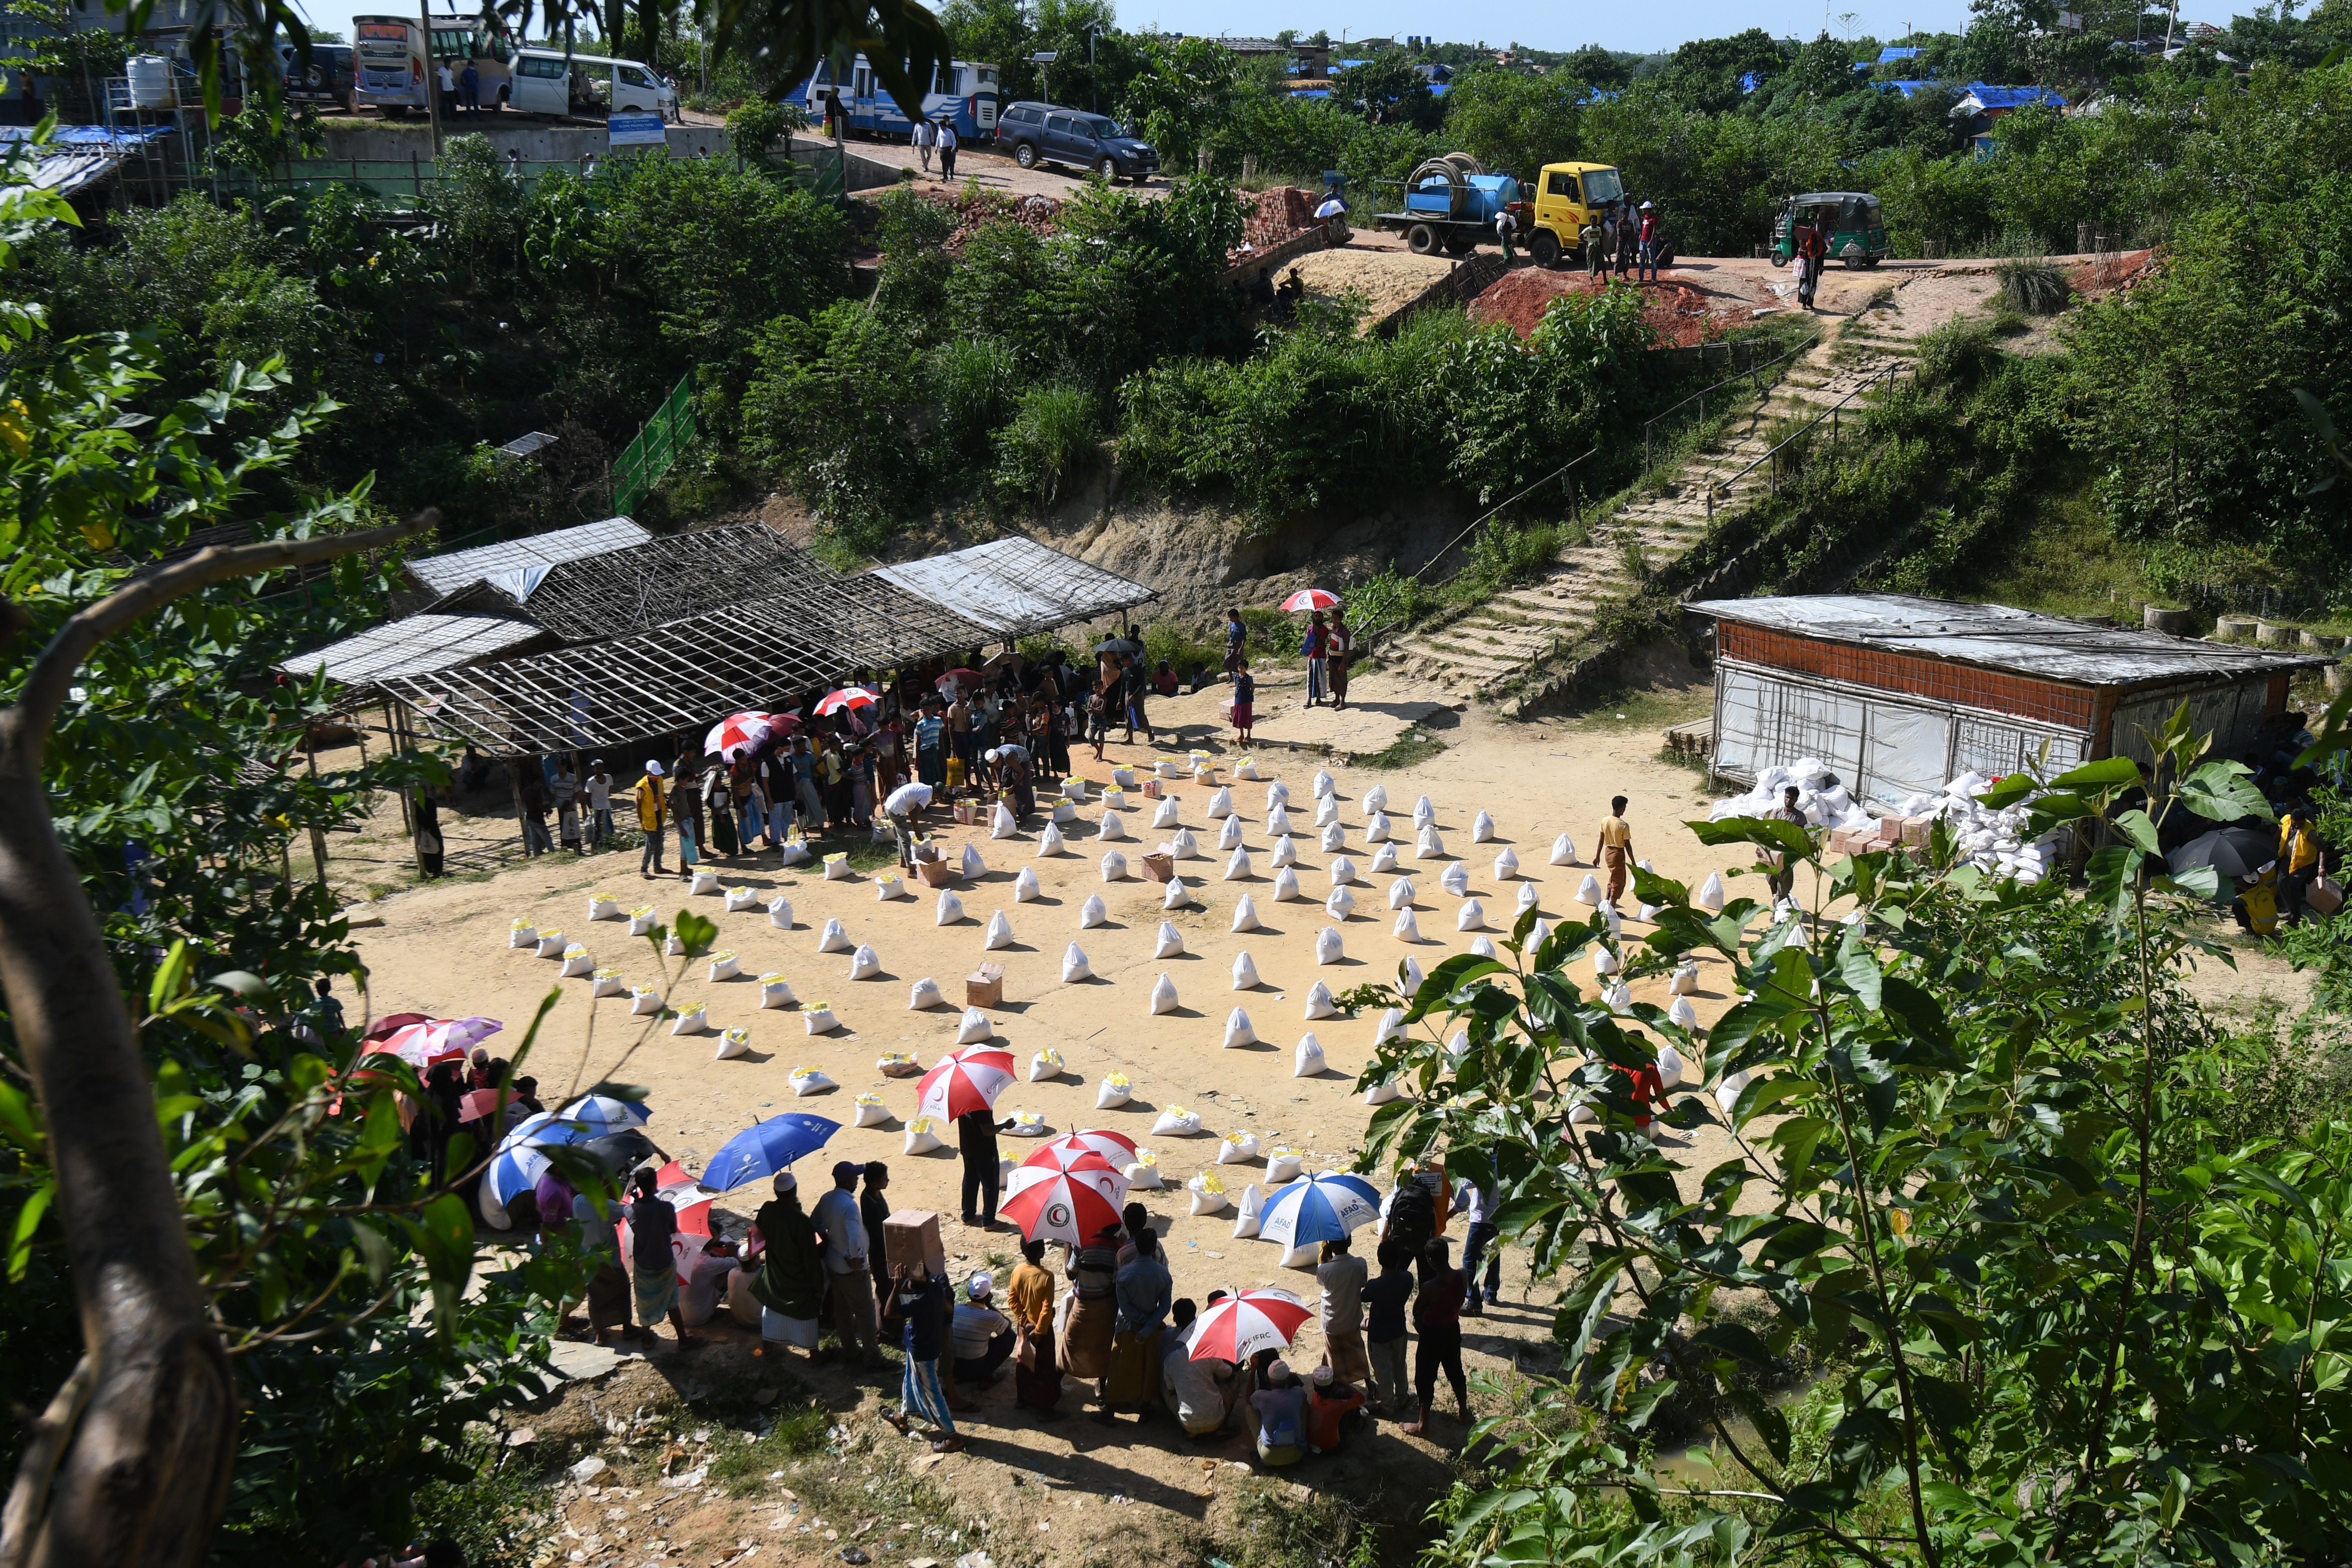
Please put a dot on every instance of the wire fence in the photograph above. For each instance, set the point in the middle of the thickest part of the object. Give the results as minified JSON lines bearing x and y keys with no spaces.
{"x":650,"y":456}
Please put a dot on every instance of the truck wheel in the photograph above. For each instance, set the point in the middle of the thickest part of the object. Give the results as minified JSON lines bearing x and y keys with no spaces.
{"x":1456,"y":246}
{"x":1026,"y":156}
{"x":1544,"y":248}
{"x":1420,"y":239}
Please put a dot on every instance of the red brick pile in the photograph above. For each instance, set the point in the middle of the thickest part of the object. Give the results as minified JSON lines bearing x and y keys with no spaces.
{"x":1277,"y":217}
{"x":1038,"y":214}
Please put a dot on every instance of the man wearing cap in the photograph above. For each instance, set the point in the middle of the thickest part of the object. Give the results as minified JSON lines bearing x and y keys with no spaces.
{"x":902,"y":805}
{"x":1281,"y":1409}
{"x":848,"y":1263}
{"x":790,"y":1282}
{"x":1330,"y":1400}
{"x":653,"y":816}
{"x":983,"y":1336}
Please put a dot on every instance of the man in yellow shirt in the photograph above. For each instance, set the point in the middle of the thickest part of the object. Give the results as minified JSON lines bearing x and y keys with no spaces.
{"x":1617,"y":847}
{"x":2301,"y":858}
{"x":653,"y":816}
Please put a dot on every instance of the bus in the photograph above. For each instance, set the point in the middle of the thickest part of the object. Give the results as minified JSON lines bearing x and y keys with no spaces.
{"x":965,"y":91}
{"x":395,"y":69}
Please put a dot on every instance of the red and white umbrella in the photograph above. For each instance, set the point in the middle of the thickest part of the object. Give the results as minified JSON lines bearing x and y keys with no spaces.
{"x":1238,"y":1326}
{"x":971,"y":678}
{"x":738,"y":734}
{"x":689,"y":1197}
{"x":1072,"y":1207}
{"x":964,"y":1080}
{"x":1115,"y":1150}
{"x":847,"y":697}
{"x":439,"y":1039}
{"x":1311,"y":599}
{"x":1060,"y":1156}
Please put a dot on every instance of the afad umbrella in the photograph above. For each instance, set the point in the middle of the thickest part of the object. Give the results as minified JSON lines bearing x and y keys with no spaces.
{"x":1311,"y":599}
{"x":1071,"y":1206}
{"x":760,"y":1151}
{"x":1238,"y":1326}
{"x":1321,"y":1208}
{"x":1115,"y":1150}
{"x":964,"y":1080}
{"x":439,"y":1039}
{"x":593,"y":1116}
{"x":518,"y":1165}
{"x":738,"y":734}
{"x":847,"y":697}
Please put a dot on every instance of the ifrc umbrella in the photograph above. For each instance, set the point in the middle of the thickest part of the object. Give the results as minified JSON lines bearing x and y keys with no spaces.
{"x":847,"y":697}
{"x":964,"y":1080}
{"x":959,"y":677}
{"x":1238,"y":1326}
{"x":1071,"y":1206}
{"x":439,"y":1039}
{"x":738,"y":734}
{"x":1311,"y":599}
{"x":766,"y":1148}
{"x":1117,"y":1149}
{"x":1321,"y":1208}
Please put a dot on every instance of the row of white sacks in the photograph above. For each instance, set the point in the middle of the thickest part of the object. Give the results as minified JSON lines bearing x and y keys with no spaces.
{"x":1991,"y":840}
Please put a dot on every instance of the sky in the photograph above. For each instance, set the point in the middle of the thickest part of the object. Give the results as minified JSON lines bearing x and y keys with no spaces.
{"x":1535,"y":23}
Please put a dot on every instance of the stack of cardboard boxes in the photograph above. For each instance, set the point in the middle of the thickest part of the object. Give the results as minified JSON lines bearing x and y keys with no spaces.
{"x":1884,"y":834}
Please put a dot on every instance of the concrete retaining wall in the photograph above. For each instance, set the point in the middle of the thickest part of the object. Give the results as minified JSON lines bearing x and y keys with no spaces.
{"x":537,"y":140}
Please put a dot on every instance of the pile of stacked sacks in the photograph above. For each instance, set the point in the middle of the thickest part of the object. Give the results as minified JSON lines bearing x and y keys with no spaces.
{"x":1825,"y":801}
{"x":1991,"y":840}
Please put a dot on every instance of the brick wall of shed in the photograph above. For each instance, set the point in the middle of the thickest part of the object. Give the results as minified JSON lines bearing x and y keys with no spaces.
{"x":2049,"y":702}
{"x":1278,"y":215}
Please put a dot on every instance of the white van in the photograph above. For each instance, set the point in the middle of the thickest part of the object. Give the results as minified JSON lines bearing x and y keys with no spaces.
{"x":549,"y":82}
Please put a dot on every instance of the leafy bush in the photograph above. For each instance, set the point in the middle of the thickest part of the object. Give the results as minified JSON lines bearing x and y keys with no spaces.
{"x":2033,"y":285}
{"x":1050,"y":440}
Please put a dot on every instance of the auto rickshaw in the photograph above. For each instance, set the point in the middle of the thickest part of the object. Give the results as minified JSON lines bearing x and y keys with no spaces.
{"x":1850,"y":220}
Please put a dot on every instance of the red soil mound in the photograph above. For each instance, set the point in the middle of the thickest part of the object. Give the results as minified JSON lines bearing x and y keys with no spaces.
{"x":1679,"y":311}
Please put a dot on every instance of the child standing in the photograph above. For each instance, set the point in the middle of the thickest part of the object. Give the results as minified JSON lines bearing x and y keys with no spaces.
{"x":1245,"y":701}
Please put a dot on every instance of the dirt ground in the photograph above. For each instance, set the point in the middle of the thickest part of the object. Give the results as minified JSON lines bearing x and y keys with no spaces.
{"x":1385,"y":278}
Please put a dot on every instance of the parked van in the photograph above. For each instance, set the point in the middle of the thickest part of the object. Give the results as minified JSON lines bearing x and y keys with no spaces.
{"x":1037,"y":133}
{"x":328,"y":78}
{"x":551,"y":83}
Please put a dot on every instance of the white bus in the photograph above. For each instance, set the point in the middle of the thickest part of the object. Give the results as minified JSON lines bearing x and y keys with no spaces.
{"x":965,"y":91}
{"x":395,"y":69}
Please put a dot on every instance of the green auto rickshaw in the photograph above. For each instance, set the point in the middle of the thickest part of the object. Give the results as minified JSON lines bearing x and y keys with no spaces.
{"x":1850,"y":222}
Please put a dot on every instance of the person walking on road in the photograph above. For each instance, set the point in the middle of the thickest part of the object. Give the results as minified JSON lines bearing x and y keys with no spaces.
{"x":652,"y":817}
{"x":1649,"y":241}
{"x":1616,"y":839}
{"x":947,"y":139}
{"x":923,"y":138}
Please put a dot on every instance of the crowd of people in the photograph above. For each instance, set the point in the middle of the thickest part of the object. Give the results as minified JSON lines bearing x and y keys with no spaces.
{"x":1631,"y":238}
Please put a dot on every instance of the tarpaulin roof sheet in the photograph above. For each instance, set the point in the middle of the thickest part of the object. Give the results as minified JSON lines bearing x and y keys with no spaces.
{"x":1996,"y":636}
{"x":414,"y":645}
{"x":1016,"y":587}
{"x":447,"y":573}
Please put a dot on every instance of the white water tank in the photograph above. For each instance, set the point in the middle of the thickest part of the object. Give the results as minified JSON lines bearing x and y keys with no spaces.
{"x":150,"y":82}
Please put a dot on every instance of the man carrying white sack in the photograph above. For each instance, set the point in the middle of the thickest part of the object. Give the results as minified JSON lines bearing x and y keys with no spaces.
{"x":902,"y":807}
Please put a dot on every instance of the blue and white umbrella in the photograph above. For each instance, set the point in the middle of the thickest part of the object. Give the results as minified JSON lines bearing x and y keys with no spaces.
{"x":589,"y":1116}
{"x":762,"y":1150}
{"x":1321,"y":1208}
{"x":518,"y":1165}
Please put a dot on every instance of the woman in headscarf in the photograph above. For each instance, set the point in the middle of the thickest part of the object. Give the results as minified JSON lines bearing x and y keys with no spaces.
{"x":686,"y":810}
{"x":429,"y":848}
{"x":719,"y":799}
{"x":1094,"y":1308}
{"x":1029,"y":1302}
{"x":790,"y":1286}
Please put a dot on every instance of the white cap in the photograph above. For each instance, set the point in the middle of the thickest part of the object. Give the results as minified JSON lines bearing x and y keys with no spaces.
{"x":786,"y":1182}
{"x":982,"y":1284}
{"x":653,"y":770}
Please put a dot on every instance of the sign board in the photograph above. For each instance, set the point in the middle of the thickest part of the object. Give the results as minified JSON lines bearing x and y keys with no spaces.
{"x":636,"y":130}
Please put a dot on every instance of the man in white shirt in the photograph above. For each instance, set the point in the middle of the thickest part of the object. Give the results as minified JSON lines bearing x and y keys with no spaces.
{"x":983,"y":1336}
{"x":1342,"y":1275}
{"x":847,"y":1262}
{"x":1476,"y":1205}
{"x":449,"y":83}
{"x":600,"y":805}
{"x":923,"y":138}
{"x":947,"y":151}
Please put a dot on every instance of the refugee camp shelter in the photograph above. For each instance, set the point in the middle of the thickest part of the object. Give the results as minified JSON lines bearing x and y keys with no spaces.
{"x":1899,"y":695}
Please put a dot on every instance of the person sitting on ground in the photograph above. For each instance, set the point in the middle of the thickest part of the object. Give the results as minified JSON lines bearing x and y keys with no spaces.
{"x":1164,"y":681}
{"x":1199,"y":1393}
{"x":983,"y":1336}
{"x":1330,"y":1402}
{"x":1281,"y":1407}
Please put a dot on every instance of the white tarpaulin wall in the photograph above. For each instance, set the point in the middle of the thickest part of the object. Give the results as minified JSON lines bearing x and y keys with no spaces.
{"x":1017,"y":586}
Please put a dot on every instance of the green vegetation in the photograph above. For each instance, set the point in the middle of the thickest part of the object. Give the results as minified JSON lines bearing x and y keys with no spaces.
{"x":1409,"y":750}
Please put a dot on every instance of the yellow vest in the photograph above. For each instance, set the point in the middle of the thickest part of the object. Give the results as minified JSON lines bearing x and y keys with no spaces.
{"x":2298,"y":846}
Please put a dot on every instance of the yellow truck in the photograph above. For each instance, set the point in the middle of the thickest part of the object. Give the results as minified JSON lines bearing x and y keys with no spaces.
{"x":1566,"y":197}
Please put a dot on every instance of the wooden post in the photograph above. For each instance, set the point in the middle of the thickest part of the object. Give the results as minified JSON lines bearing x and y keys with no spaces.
{"x":522,"y":821}
{"x":318,"y":834}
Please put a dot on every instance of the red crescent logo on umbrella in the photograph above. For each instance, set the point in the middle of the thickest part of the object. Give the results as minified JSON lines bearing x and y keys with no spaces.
{"x":1058,"y":1214}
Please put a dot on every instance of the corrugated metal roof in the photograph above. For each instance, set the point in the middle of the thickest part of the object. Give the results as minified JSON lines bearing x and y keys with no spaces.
{"x":1998,"y":637}
{"x":1017,"y":586}
{"x":416,"y":645}
{"x":447,"y":573}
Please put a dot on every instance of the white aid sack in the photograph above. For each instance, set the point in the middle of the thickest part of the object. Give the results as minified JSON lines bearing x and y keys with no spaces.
{"x":1175,"y":1122}
{"x":1046,"y":1066}
{"x":1319,"y":1003}
{"x":1025,"y":1124}
{"x":552,"y":944}
{"x":1604,"y":963}
{"x":1587,"y":891}
{"x":1506,"y":866}
{"x":732,"y":1044}
{"x":1646,"y":913}
{"x":889,"y":885}
{"x":775,"y":991}
{"x":1325,"y":785}
{"x":1245,"y":914}
{"x":1429,"y":845}
{"x":1114,"y":866}
{"x":1400,"y":893}
{"x":1375,"y":799}
{"x":973,"y":1026}
{"x":605,"y":983}
{"x":1247,"y":768}
{"x":1000,"y":824}
{"x":1328,"y":946}
{"x":1208,"y":1193}
{"x":577,"y":960}
{"x":1406,"y":928}
{"x":1376,"y":830}
{"x":1277,"y":822}
{"x":795,"y":852}
{"x":1024,"y":886}
{"x":833,"y":938}
{"x":1049,"y":841}
{"x":1482,"y":829}
{"x":1456,"y":879}
{"x":1283,"y":1166}
{"x":922,"y":1136}
{"x":974,"y":865}
{"x":924,"y":993}
{"x":1112,"y":828}
{"x":1381,"y":1093}
{"x":1484,"y":948}
{"x":1391,"y":1028}
{"x":1285,"y":884}
{"x":674,"y":945}
{"x":1669,"y":1066}
{"x":1333,"y":839}
{"x":1612,"y":920}
{"x":1114,"y":1092}
{"x":1680,"y":1011}
{"x":1245,"y":1216}
{"x":1221,"y":804}
{"x":704,"y":882}
{"x":1164,"y":816}
{"x":1619,"y":998}
{"x":1327,"y":811}
{"x":1727,"y":1093}
{"x":1093,"y":912}
{"x":524,"y":935}
{"x":603,"y":907}
{"x":1163,"y":996}
{"x":1237,"y":1147}
{"x":1685,"y":981}
{"x":1710,"y":894}
{"x":1409,"y":974}
{"x":812,"y":1080}
{"x":1237,"y":866}
{"x":949,"y":910}
{"x":641,"y":918}
{"x":1528,"y":897}
{"x":1276,"y":794}
{"x":740,"y":898}
{"x":1563,"y":850}
{"x":1244,"y":972}
{"x":863,"y":964}
{"x":1384,"y":859}
{"x":1122,"y":778}
{"x":1340,"y":904}
{"x":692,"y":1021}
{"x":1308,"y":1059}
{"x":1343,"y":872}
{"x":724,"y":966}
{"x":643,"y":999}
{"x":1459,"y":1046}
{"x":1230,"y":836}
{"x":871,"y":1112}
{"x":999,"y":932}
{"x":1143,"y":1172}
{"x":1075,"y":966}
{"x":1182,"y":845}
{"x":1423,"y":813}
{"x":1238,"y":1031}
{"x":1473,"y":917}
